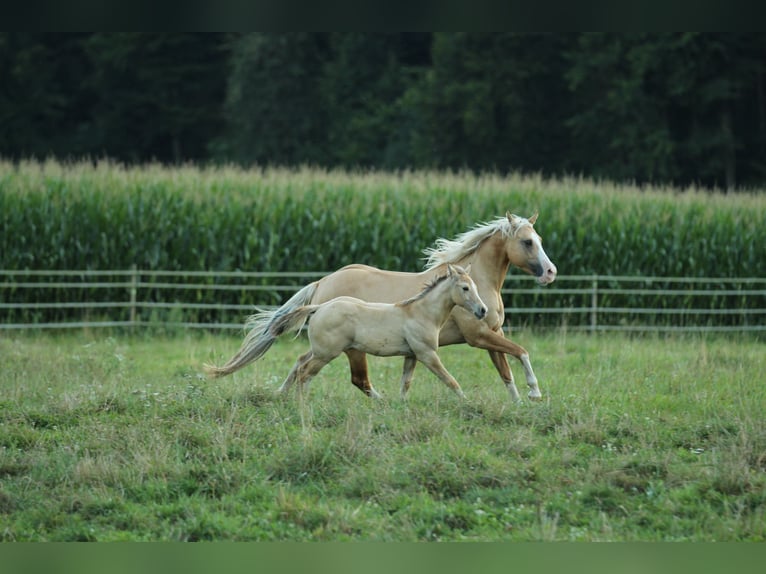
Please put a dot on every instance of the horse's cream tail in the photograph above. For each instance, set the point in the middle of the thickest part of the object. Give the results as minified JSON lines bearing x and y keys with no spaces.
{"x":260,"y":337}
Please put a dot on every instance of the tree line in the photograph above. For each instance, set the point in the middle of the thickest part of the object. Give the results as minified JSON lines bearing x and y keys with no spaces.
{"x":670,"y":108}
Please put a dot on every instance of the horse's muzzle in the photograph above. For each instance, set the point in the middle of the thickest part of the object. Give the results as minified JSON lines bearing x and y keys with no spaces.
{"x":480,"y":313}
{"x":547,"y":275}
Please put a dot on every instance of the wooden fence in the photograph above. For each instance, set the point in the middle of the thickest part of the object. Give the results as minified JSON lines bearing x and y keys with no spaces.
{"x":31,"y":299}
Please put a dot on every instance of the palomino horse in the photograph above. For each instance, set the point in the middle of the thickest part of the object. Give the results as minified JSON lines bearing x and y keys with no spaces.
{"x":409,"y":328}
{"x":490,"y":248}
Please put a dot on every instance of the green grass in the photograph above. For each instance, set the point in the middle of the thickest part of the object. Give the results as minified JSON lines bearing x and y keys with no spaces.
{"x":120,"y":438}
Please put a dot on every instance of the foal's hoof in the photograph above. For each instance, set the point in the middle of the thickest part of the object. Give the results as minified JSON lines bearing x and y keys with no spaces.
{"x":535,"y":396}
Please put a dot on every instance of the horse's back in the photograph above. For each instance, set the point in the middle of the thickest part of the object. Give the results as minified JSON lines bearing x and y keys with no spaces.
{"x":346,"y":308}
{"x":368,"y":284}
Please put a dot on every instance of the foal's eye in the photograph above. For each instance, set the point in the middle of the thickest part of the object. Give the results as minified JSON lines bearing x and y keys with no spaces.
{"x":527,"y":243}
{"x":465,"y":288}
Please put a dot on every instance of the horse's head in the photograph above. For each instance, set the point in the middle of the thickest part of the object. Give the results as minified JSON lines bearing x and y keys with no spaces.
{"x":524,"y":248}
{"x":464,"y":292}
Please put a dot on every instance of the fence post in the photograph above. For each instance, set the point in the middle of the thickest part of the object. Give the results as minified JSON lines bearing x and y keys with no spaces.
{"x":133,"y":293}
{"x":594,"y":304}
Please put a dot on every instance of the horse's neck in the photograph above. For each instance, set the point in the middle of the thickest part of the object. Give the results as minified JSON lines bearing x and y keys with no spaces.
{"x":489,"y":263}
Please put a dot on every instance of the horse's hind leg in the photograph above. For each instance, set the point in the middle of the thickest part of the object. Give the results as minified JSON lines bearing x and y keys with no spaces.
{"x":357,"y":362}
{"x":504,"y":370}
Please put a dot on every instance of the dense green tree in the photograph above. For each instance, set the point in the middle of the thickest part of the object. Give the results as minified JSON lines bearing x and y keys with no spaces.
{"x":328,"y":99}
{"x":273,"y":103}
{"x":683,"y":108}
{"x":364,"y":87}
{"x":495,"y":101}
{"x":130,"y":96}
{"x":666,"y":107}
{"x":44,"y":96}
{"x":158,"y":95}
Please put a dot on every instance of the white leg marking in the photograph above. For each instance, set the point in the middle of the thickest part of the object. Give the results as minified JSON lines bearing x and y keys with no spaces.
{"x":534,"y":390}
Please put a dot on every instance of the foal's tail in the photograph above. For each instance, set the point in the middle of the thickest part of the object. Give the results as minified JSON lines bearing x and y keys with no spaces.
{"x":262,"y":334}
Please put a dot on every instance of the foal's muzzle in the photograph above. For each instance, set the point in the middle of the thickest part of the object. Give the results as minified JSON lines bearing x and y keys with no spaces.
{"x":480,"y":313}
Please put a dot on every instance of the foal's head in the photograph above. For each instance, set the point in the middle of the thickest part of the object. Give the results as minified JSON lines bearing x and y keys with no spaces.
{"x":524,"y":249}
{"x":463,"y":290}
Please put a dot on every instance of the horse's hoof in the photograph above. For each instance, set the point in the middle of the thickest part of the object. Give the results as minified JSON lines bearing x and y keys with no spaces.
{"x":535,"y":396}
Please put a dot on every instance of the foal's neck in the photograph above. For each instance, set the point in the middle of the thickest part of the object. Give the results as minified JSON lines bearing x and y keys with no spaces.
{"x":436,"y":305}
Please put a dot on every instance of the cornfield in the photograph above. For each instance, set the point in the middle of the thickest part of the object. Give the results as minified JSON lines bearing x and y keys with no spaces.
{"x":103,"y":215}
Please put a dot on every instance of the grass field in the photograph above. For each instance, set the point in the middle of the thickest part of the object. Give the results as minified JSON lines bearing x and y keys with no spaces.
{"x":120,"y":438}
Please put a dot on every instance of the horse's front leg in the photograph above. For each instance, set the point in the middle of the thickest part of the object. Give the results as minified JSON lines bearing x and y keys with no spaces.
{"x":504,"y":370}
{"x":409,"y":368}
{"x":357,"y":362}
{"x":493,"y":342}
{"x":478,"y":334}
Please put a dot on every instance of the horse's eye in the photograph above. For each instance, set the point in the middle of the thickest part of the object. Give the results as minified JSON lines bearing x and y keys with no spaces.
{"x":465,"y":288}
{"x":527,"y":243}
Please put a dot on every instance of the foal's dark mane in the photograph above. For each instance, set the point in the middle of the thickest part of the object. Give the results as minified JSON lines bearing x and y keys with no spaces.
{"x":427,"y":288}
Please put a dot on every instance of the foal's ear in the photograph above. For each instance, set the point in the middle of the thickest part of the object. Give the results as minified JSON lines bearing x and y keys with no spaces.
{"x":467,"y":269}
{"x":450,"y":270}
{"x":533,"y":218}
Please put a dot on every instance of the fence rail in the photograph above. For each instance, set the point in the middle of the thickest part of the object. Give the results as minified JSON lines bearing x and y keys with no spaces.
{"x":39,"y":299}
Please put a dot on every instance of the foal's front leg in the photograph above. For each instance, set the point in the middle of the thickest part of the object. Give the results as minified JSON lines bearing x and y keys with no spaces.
{"x":431,"y":360}
{"x":409,"y":368}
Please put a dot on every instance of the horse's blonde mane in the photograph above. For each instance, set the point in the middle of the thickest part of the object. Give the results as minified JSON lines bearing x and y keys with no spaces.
{"x":452,"y":251}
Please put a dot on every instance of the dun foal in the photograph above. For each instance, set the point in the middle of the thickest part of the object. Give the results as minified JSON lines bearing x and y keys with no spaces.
{"x":408,"y":328}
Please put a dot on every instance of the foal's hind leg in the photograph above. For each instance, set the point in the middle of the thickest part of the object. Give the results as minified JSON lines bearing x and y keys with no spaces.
{"x":294,"y":372}
{"x":307,"y":371}
{"x":357,"y":362}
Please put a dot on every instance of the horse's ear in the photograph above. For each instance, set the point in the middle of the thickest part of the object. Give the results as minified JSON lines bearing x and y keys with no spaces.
{"x":513,"y":220}
{"x":450,"y":270}
{"x":533,"y":218}
{"x":468,"y":269}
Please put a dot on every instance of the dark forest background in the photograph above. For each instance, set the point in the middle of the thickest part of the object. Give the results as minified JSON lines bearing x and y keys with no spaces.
{"x":675,"y":108}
